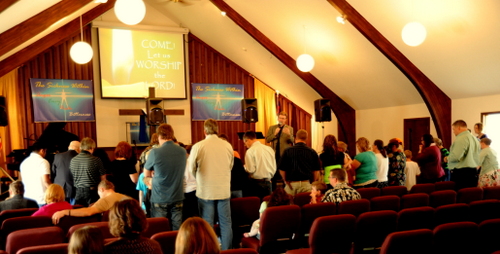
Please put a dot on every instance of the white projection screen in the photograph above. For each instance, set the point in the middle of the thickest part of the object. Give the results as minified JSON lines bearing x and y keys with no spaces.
{"x":131,"y":61}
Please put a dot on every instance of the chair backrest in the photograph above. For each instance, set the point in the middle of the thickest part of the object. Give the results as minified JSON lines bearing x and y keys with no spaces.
{"x":244,"y":211}
{"x":416,"y":218}
{"x":451,"y":213}
{"x":310,"y":212}
{"x":482,"y":210}
{"x":491,"y":192}
{"x":6,"y":214}
{"x":58,"y":248}
{"x":457,"y":237}
{"x":389,"y":202}
{"x":66,"y":222}
{"x":423,"y":188}
{"x":394,"y":190}
{"x":443,"y":197}
{"x":279,"y":222}
{"x":13,"y":224}
{"x":166,"y":241}
{"x":369,"y":193}
{"x":302,"y":198}
{"x":156,"y":225}
{"x":372,"y":228}
{"x":488,"y":234}
{"x":103,"y":226}
{"x":410,"y":242}
{"x":467,"y":195}
{"x":414,"y":200}
{"x":354,"y":207}
{"x":446,"y":185}
{"x":33,"y":237}
{"x":239,"y":251}
{"x":332,"y":234}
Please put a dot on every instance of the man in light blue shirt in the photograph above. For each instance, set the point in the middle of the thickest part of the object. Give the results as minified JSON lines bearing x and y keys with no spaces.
{"x":464,"y":156}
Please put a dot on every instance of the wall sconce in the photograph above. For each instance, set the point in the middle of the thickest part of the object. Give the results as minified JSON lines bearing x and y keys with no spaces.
{"x":130,"y":12}
{"x":305,"y":62}
{"x":414,"y":34}
{"x":81,"y":52}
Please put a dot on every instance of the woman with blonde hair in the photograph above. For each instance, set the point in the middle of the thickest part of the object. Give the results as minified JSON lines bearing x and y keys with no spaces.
{"x":55,"y":199}
{"x":196,"y":236}
{"x":86,"y":240}
{"x":365,"y":165}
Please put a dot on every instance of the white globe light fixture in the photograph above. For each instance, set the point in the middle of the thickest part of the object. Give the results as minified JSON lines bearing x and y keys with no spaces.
{"x":305,"y":62}
{"x":130,"y":12}
{"x":414,"y":34}
{"x":81,"y":52}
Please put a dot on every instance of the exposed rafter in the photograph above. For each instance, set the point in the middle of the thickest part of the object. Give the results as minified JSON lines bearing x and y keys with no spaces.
{"x":68,"y":30}
{"x":4,"y":4}
{"x":438,"y":103}
{"x":346,"y":115}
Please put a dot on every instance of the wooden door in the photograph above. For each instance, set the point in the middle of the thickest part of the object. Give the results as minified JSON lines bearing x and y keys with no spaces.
{"x":414,"y":128}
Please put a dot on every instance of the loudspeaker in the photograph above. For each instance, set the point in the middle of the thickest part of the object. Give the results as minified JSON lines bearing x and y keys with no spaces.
{"x":154,"y":111}
{"x":3,"y":112}
{"x":322,"y":110}
{"x":249,"y":110}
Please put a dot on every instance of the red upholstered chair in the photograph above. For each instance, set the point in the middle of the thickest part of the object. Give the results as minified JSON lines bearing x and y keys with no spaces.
{"x":244,"y":211}
{"x":301,"y":199}
{"x":354,"y":207}
{"x":16,"y":213}
{"x":103,"y":226}
{"x":239,"y":251}
{"x":451,"y":213}
{"x":311,"y":212}
{"x":409,"y":242}
{"x":66,"y":222}
{"x":423,"y":188}
{"x":446,"y":185}
{"x":279,"y":222}
{"x":414,"y":200}
{"x":416,"y":218}
{"x":489,"y":193}
{"x":372,"y":228}
{"x":58,"y":248}
{"x":482,"y":210}
{"x":488,"y":234}
{"x":24,"y":222}
{"x":330,"y":234}
{"x":443,"y":197}
{"x":166,"y":241}
{"x":156,"y":225}
{"x":467,"y":195}
{"x":394,"y":190}
{"x":369,"y":193}
{"x":457,"y":237}
{"x":389,"y":202}
{"x":33,"y":237}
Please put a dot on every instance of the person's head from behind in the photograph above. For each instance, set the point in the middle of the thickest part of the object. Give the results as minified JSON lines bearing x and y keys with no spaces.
{"x":393,"y":145}
{"x":39,"y":148}
{"x":317,"y":189}
{"x":154,"y":139}
{"x":74,"y":145}
{"x":363,"y":144}
{"x":438,"y":142}
{"x":337,"y":175}
{"x":279,"y":197}
{"x":87,"y":144}
{"x":485,"y":142}
{"x":123,"y":150}
{"x":86,"y":240}
{"x":427,"y":140}
{"x":301,"y":135}
{"x":127,"y":219}
{"x":196,"y":236}
{"x":408,"y":155}
{"x":165,"y":132}
{"x":54,"y":194}
{"x":330,"y":144}
{"x":16,"y":188}
{"x":104,"y":187}
{"x":459,"y":126}
{"x":342,"y":146}
{"x":210,"y":127}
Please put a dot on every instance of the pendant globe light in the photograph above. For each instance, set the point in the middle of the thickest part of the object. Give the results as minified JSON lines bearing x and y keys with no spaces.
{"x":130,"y":12}
{"x":81,"y":52}
{"x":305,"y":62}
{"x":414,"y":34}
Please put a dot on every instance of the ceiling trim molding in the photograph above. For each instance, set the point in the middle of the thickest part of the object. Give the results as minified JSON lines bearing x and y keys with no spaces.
{"x":345,"y":114}
{"x":437,"y":102}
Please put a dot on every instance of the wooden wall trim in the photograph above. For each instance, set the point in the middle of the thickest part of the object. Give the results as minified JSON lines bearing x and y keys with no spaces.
{"x":438,"y":103}
{"x":4,"y":4}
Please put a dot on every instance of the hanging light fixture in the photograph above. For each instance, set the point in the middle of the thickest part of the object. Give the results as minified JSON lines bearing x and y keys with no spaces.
{"x":130,"y":12}
{"x":305,"y":62}
{"x":81,"y":52}
{"x":414,"y":34}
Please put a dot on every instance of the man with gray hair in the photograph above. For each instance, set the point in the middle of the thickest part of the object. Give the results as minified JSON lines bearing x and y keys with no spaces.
{"x":87,"y":171}
{"x":211,"y":161}
{"x":61,"y":173}
{"x":16,"y":198}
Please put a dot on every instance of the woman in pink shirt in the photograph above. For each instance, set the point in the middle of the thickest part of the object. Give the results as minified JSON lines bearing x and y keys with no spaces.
{"x":54,"y":197}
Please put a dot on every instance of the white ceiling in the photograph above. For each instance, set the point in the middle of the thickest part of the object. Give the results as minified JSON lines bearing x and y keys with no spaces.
{"x":460,"y":55}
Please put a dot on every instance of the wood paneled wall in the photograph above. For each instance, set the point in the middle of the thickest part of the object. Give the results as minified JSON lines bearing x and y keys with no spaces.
{"x":297,"y":117}
{"x":55,"y":63}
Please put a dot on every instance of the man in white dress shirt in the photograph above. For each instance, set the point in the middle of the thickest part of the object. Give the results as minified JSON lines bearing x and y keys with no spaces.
{"x":260,"y":163}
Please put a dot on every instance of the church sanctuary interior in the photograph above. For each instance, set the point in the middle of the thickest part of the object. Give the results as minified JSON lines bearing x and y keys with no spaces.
{"x":386,"y":69}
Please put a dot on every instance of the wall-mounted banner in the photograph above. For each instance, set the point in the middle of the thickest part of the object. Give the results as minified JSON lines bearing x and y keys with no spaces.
{"x":62,"y":100}
{"x":217,"y":101}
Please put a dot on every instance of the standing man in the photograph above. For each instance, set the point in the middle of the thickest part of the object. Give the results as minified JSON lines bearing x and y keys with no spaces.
{"x":35,"y":174}
{"x":299,"y":166}
{"x":281,"y":137}
{"x":168,"y":161}
{"x":260,"y":163}
{"x":488,"y":164}
{"x":61,"y":173}
{"x":87,"y":171}
{"x":464,"y":156}
{"x":211,"y":161}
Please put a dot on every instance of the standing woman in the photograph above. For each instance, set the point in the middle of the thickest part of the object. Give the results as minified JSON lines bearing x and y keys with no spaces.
{"x":124,"y":171}
{"x":382,"y":163}
{"x":342,"y":147}
{"x":429,"y":161}
{"x":330,"y":158}
{"x":478,"y":129}
{"x":365,"y":165}
{"x":397,"y":163}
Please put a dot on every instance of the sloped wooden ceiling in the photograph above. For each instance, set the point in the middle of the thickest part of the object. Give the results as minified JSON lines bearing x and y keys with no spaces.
{"x":4,"y":4}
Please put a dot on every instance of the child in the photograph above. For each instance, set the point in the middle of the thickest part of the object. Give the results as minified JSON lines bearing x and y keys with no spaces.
{"x":317,"y":192}
{"x":411,"y":170}
{"x":278,"y":197}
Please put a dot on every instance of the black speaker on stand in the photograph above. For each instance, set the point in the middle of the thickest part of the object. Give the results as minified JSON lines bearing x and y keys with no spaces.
{"x":249,"y":110}
{"x":322,"y":110}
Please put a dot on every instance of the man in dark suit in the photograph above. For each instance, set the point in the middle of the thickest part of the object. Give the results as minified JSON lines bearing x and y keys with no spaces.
{"x":61,"y":173}
{"x":16,"y":198}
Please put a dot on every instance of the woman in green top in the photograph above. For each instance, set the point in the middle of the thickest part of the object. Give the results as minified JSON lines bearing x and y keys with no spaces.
{"x":365,"y":165}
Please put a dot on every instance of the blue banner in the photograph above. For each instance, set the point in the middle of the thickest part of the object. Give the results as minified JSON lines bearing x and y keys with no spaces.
{"x":217,"y":101}
{"x":62,"y":100}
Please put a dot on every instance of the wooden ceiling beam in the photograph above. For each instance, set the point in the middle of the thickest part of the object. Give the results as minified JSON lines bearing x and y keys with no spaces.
{"x":438,"y":103}
{"x":4,"y":4}
{"x":68,"y":30}
{"x":343,"y":111}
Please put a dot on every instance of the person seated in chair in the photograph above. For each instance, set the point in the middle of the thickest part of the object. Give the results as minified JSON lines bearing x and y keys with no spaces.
{"x":341,"y":191}
{"x":16,"y":198}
